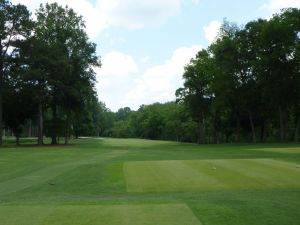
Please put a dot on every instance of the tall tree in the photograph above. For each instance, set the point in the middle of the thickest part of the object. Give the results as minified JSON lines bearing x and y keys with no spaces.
{"x":277,"y":62}
{"x":290,"y":19}
{"x":70,"y":72}
{"x":196,"y":92}
{"x":227,"y":83}
{"x":36,"y":55}
{"x":18,"y":106}
{"x":14,"y":26}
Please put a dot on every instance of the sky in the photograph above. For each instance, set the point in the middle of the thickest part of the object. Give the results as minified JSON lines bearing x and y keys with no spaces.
{"x":145,"y":44}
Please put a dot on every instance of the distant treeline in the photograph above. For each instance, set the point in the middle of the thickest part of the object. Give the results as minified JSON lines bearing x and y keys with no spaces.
{"x":169,"y":121}
{"x":244,"y":87}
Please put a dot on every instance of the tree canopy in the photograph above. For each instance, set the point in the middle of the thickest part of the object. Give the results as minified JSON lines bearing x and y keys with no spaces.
{"x":48,"y":65}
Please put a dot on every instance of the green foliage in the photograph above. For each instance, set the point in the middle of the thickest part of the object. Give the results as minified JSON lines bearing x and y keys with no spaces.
{"x":55,"y":59}
{"x":18,"y":107}
{"x":247,"y":82}
{"x":169,"y":121}
{"x":197,"y":93}
{"x":71,"y":76}
{"x":15,"y":26}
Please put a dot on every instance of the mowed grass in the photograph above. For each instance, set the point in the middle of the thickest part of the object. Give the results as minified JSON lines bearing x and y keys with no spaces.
{"x":162,"y":214}
{"x":140,"y":182}
{"x":280,"y":150}
{"x":210,"y":175}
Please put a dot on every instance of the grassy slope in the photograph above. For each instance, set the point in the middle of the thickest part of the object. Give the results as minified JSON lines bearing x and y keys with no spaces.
{"x":77,"y":183}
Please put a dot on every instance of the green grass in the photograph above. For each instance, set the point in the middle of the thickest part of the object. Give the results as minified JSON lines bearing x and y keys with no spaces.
{"x":136,"y":182}
{"x":210,"y":175}
{"x":280,"y":150}
{"x":161,"y":214}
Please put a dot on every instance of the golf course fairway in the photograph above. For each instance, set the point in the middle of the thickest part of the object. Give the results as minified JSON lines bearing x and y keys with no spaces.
{"x":98,"y":181}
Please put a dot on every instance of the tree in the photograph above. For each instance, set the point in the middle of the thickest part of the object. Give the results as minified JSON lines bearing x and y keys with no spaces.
{"x":123,"y":113}
{"x":196,"y":93}
{"x":71,"y":59}
{"x":15,"y":25}
{"x":36,"y":56}
{"x":290,"y":19}
{"x":227,"y":80}
{"x":276,"y":63}
{"x":18,"y":106}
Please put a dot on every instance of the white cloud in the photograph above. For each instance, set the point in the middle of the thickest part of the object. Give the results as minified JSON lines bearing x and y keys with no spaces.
{"x":138,"y":14}
{"x":196,"y":2}
{"x":145,"y":59}
{"x":211,"y":30}
{"x":131,"y":14}
{"x":274,"y":6}
{"x":116,"y":64}
{"x":95,"y":21}
{"x":114,"y":77}
{"x":159,"y":83}
{"x":121,"y":83}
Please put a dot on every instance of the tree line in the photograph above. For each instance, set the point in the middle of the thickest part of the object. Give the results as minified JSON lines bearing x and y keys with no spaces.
{"x":46,"y":70}
{"x":245,"y":87}
{"x":247,"y":83}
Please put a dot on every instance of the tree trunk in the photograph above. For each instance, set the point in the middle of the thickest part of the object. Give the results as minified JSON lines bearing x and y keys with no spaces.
{"x":1,"y":92}
{"x":227,"y":138}
{"x":238,"y":129}
{"x":216,"y":138}
{"x":252,"y":126}
{"x":40,"y":124}
{"x":283,"y":124}
{"x":201,"y":132}
{"x":54,"y":125}
{"x":67,"y":133}
{"x":17,"y":139}
{"x":263,"y":132}
{"x":30,"y":128}
{"x":1,"y":110}
{"x":297,"y":130}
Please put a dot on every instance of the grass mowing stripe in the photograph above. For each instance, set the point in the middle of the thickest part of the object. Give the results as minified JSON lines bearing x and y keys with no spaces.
{"x":206,"y":175}
{"x":268,"y":173}
{"x":147,"y":214}
{"x":168,"y":175}
{"x":295,"y":150}
{"x":43,"y":175}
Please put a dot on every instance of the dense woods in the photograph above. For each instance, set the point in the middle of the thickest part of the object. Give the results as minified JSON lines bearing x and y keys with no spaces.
{"x":245,"y":87}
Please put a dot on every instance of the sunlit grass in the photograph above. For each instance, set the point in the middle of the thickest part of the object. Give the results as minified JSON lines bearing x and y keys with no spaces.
{"x":130,"y":181}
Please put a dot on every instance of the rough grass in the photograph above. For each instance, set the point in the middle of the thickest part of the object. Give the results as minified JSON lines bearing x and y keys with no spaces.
{"x":120,"y":181}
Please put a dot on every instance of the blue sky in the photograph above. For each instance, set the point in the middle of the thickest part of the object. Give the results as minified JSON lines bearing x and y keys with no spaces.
{"x":144,"y":44}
